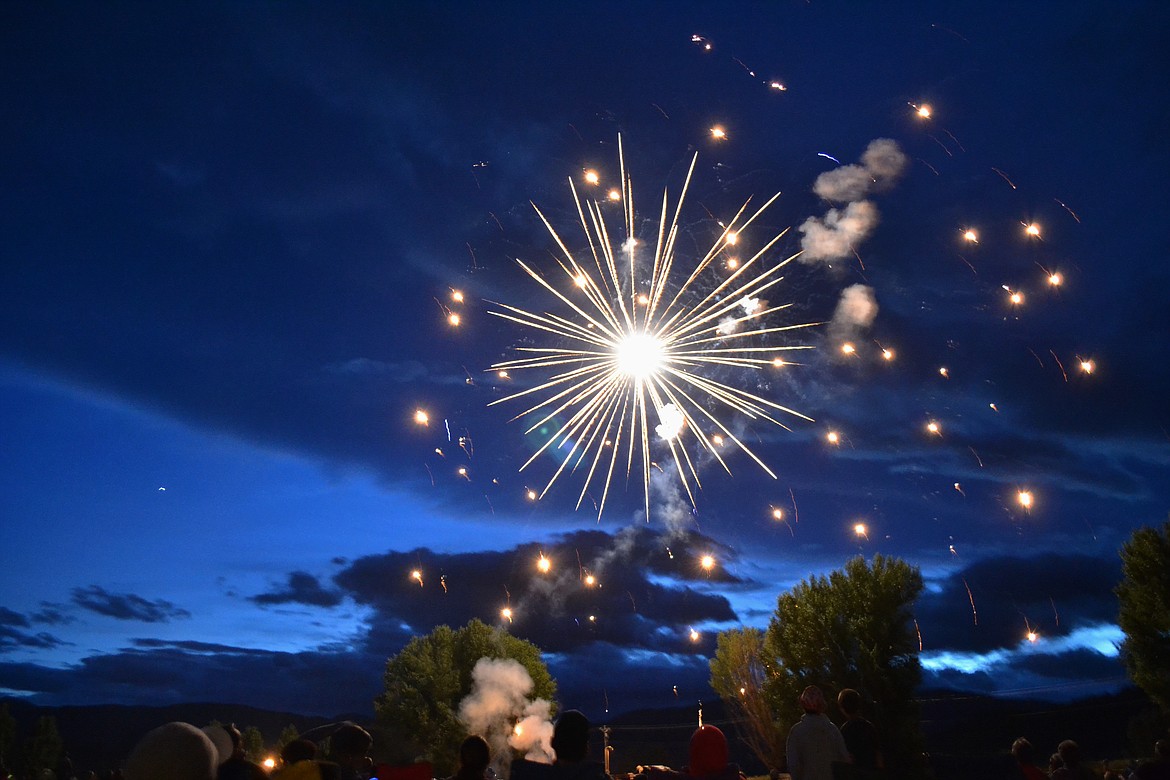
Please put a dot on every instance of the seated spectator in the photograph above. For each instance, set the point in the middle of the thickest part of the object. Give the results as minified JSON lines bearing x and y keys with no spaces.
{"x":708,"y":756}
{"x":350,"y":747}
{"x":1071,"y":766}
{"x":1025,"y":756}
{"x":474,"y":757}
{"x":176,"y":751}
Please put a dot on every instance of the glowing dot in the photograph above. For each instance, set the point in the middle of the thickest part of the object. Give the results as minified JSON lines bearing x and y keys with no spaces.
{"x":924,"y":111}
{"x":593,"y":618}
{"x":270,"y":763}
{"x":707,"y":562}
{"x":887,"y":354}
{"x":506,"y":613}
{"x":717,"y":440}
{"x":1025,"y":499}
{"x":639,"y":355}
{"x":1055,"y":279}
{"x":944,"y":372}
{"x":502,"y":374}
{"x":590,"y":580}
{"x":732,"y":238}
{"x":778,"y":363}
{"x":934,"y":427}
{"x":732,"y":263}
{"x":848,"y":349}
{"x":643,"y":299}
{"x":591,"y":177}
{"x":695,"y":635}
{"x":518,"y":730}
{"x":462,"y":471}
{"x":416,"y":575}
{"x":1032,"y":229}
{"x":833,"y":437}
{"x":1016,"y":298}
{"x":718,"y":133}
{"x":614,"y":195}
{"x":543,"y":564}
{"x":777,"y":513}
{"x":706,"y":47}
{"x":1033,"y":636}
{"x":778,"y":86}
{"x":1088,"y":366}
{"x":971,"y":235}
{"x":860,"y":529}
{"x":421,"y":417}
{"x":581,"y":281}
{"x":438,"y":452}
{"x":531,"y":494}
{"x":457,"y":296}
{"x":453,"y":319}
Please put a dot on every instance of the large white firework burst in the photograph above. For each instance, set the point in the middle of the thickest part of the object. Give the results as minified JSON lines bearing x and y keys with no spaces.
{"x":634,"y":359}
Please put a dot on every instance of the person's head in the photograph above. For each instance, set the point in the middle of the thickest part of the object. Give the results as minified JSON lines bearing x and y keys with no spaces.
{"x":849,"y":702}
{"x":812,"y":701}
{"x":708,"y":751}
{"x":1055,"y":762}
{"x":570,"y":739}
{"x":1023,"y":751}
{"x":474,"y":756}
{"x":349,"y":746}
{"x":176,"y":751}
{"x":1070,"y":752}
{"x":298,"y":750}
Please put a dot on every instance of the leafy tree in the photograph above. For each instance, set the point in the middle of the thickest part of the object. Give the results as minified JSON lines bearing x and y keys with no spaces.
{"x":252,"y":741}
{"x":1144,"y":596}
{"x":289,"y":734}
{"x":739,"y":674}
{"x":852,"y":629}
{"x":430,"y":677}
{"x":44,"y":748}
{"x":7,"y":735}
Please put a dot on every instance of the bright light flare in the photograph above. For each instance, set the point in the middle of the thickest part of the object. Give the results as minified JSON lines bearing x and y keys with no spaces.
{"x":924,"y":111}
{"x":944,"y":372}
{"x":887,"y":354}
{"x":861,"y":530}
{"x":543,"y":564}
{"x":832,"y":437}
{"x":622,"y":371}
{"x":530,"y":494}
{"x":695,"y":635}
{"x":416,"y":575}
{"x":777,"y":513}
{"x":1016,"y":298}
{"x":453,"y":319}
{"x":718,"y":133}
{"x":506,"y":614}
{"x":1031,"y":229}
{"x":1087,"y":366}
{"x":457,"y":296}
{"x":707,"y":562}
{"x":421,"y":417}
{"x":848,"y":349}
{"x":614,"y":195}
{"x":778,"y":86}
{"x":970,"y":236}
{"x":1025,"y":499}
{"x":269,"y":763}
{"x":1032,"y":637}
{"x":1055,"y":279}
{"x":591,"y":177}
{"x":732,"y":238}
{"x":934,"y":427}
{"x":590,"y":580}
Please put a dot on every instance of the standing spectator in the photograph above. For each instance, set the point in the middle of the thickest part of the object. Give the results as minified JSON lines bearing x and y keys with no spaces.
{"x":814,"y":743}
{"x":861,"y":736}
{"x":1025,"y":756}
{"x":350,"y":747}
{"x":1072,"y":769}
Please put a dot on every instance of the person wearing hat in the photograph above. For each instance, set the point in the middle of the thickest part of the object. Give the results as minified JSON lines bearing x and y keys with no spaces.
{"x":814,"y":743}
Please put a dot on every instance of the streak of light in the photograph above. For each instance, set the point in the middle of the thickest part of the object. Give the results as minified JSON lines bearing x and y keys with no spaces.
{"x":828,"y":157}
{"x":959,"y":488}
{"x":978,"y":459}
{"x":1031,"y":229}
{"x":1063,"y":373}
{"x":918,"y":631}
{"x":861,"y":530}
{"x":1064,"y":206}
{"x":1004,"y":176}
{"x":971,"y":598}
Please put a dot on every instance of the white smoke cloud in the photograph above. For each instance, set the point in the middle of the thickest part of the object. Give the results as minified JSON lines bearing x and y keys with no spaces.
{"x":669,"y":503}
{"x":671,"y":424}
{"x":498,"y":703}
{"x":834,"y":236}
{"x":856,"y":310}
{"x":881,"y":165}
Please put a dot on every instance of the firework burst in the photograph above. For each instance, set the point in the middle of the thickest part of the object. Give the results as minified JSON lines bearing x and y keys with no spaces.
{"x":634,"y":359}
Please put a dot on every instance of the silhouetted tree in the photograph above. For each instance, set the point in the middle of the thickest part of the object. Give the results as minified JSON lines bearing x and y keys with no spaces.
{"x":7,"y":736}
{"x":1144,"y":600}
{"x":852,"y":629}
{"x":289,"y":734}
{"x":430,"y":677}
{"x":44,"y":748}
{"x":739,"y":674}
{"x":252,"y":741}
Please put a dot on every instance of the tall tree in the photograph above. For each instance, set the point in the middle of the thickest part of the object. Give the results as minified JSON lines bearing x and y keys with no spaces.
{"x":428,"y":679}
{"x":252,"y":741}
{"x":1144,"y":601}
{"x":44,"y":748}
{"x":289,"y":734}
{"x":7,"y":736}
{"x":852,"y":629}
{"x":740,"y":674}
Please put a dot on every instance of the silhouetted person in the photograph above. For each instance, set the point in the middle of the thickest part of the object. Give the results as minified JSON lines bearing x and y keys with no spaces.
{"x":570,"y":743}
{"x":1072,"y":769}
{"x":1159,"y":768}
{"x":1025,"y":756}
{"x":708,"y":756}
{"x":349,"y":748}
{"x":176,"y":751}
{"x":861,"y":736}
{"x":474,"y":757}
{"x":814,"y":743}
{"x":298,"y":750}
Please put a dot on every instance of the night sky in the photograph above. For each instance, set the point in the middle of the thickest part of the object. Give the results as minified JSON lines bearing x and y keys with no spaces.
{"x":229,"y":239}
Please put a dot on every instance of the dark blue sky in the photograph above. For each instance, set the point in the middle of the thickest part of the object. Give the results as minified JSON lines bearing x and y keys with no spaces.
{"x":230,"y":232}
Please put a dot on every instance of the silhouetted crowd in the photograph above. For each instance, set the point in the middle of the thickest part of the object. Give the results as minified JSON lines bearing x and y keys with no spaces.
{"x":816,"y":750}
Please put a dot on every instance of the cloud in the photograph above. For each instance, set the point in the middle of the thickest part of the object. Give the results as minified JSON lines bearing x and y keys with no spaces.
{"x":302,"y":588}
{"x":834,"y":235}
{"x":126,"y":606}
{"x":646,"y":589}
{"x":856,"y":310}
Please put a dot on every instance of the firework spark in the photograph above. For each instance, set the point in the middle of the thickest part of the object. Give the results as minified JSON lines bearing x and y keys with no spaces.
{"x":619,"y":363}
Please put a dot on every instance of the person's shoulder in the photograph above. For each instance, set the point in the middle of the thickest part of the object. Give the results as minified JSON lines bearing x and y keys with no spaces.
{"x":523,"y":769}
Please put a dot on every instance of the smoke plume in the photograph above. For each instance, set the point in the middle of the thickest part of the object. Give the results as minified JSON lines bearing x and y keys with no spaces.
{"x":856,"y":310}
{"x":498,"y":709}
